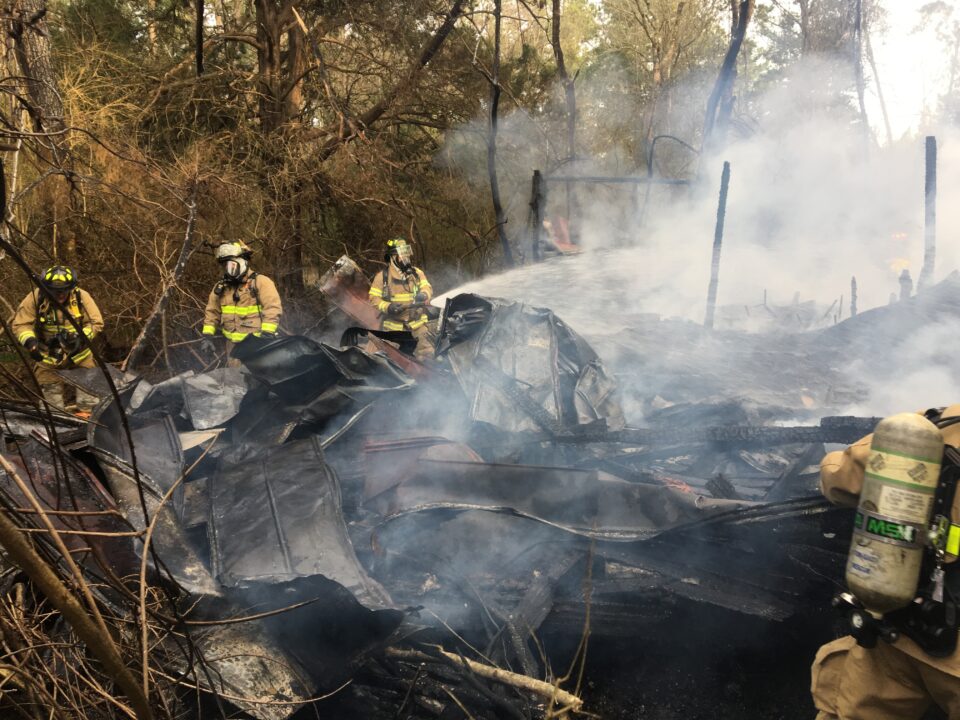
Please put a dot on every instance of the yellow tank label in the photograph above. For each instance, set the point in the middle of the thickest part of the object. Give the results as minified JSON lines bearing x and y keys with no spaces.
{"x":907,"y":484}
{"x":914,"y":473}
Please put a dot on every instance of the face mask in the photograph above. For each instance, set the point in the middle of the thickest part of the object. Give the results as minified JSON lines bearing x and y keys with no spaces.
{"x":234,"y":268}
{"x":403,"y":256}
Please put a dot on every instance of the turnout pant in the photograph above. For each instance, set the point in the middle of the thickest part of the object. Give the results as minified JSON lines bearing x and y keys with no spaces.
{"x":52,"y":385}
{"x":849,"y":682}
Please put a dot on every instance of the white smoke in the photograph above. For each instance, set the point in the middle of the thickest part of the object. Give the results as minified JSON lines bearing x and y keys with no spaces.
{"x":812,"y":203}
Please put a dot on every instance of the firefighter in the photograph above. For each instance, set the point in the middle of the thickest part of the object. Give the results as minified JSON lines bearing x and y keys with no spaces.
{"x":242,"y":303}
{"x":896,"y":681}
{"x":52,"y":341}
{"x":400,"y":293}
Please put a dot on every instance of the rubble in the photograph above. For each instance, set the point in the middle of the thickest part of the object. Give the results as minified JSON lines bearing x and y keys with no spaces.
{"x":492,"y":497}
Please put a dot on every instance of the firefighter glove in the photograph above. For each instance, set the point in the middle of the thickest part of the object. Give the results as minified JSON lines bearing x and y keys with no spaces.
{"x":33,"y":347}
{"x":421,"y":297}
{"x":207,"y":346}
{"x":394,"y":309}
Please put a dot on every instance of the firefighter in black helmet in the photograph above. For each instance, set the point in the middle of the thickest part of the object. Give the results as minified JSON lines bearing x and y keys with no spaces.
{"x":401,"y":294}
{"x":53,"y":342}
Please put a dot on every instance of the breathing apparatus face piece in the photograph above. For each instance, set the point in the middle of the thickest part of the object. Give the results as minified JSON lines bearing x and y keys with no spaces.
{"x":401,"y":253}
{"x":234,"y":268}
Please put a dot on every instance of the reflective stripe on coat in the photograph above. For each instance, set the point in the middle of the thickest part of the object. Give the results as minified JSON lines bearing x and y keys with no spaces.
{"x":38,"y":317}
{"x":249,"y":308}
{"x":403,"y":289}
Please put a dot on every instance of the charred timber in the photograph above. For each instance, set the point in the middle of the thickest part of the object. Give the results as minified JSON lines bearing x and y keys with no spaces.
{"x":844,"y":430}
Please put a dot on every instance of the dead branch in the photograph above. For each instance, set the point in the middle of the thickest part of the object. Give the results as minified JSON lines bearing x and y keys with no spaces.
{"x":158,"y":309}
{"x":56,"y":592}
{"x":504,"y":677}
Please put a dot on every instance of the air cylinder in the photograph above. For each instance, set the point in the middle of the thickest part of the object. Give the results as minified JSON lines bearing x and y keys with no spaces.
{"x":890,"y":526}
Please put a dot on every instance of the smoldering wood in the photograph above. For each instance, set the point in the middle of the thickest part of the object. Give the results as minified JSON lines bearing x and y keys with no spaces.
{"x":853,"y":296}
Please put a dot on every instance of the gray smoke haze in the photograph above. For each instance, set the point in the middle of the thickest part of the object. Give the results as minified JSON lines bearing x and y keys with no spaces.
{"x":810,"y":205}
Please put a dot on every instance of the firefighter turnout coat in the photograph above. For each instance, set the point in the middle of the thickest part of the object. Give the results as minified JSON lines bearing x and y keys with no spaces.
{"x":887,"y":682}
{"x":37,"y":317}
{"x":249,"y":307}
{"x":392,"y":285}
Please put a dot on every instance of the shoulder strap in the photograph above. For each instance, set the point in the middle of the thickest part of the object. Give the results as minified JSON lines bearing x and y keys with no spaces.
{"x":256,"y":293}
{"x":39,"y":303}
{"x":386,"y":284}
{"x":947,"y":486}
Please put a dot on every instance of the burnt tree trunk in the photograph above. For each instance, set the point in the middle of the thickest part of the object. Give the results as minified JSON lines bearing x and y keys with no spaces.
{"x":32,"y":48}
{"x":568,"y":89}
{"x":719,"y":109}
{"x":44,"y":105}
{"x":570,"y":99}
{"x":500,"y":216}
{"x":858,"y":70}
{"x":876,"y":81}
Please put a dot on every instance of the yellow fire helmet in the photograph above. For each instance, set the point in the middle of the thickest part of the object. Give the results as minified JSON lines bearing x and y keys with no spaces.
{"x":59,"y":278}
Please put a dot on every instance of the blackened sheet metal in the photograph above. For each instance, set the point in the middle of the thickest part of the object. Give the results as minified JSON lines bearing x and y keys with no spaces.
{"x":462,"y":565}
{"x":91,"y":380}
{"x":251,"y":670}
{"x":329,"y":635}
{"x":213,"y":398}
{"x":156,"y":442}
{"x":772,"y":560}
{"x":275,"y":516}
{"x":170,"y":541}
{"x":22,"y":422}
{"x":585,"y":502}
{"x":67,"y":486}
{"x":524,"y":369}
{"x":166,"y":396}
{"x":388,"y":462}
{"x":303,"y":372}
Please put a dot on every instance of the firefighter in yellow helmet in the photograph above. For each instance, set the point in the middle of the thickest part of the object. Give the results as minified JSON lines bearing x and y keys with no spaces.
{"x":400,"y":293}
{"x":898,"y":681}
{"x":53,"y":342}
{"x":242,"y":303}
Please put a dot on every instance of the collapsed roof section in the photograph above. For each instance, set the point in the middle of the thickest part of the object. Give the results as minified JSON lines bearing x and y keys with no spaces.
{"x":484,"y":490}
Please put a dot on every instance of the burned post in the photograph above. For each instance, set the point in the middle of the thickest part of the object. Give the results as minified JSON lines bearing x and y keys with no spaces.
{"x":853,"y":296}
{"x":717,"y":243}
{"x":538,"y":202}
{"x":929,"y":215}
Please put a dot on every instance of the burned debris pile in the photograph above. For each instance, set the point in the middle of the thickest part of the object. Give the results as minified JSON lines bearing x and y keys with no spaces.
{"x":324,"y":522}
